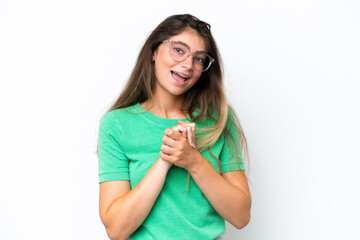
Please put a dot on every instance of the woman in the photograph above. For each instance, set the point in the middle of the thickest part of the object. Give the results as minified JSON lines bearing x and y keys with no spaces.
{"x":155,"y":183}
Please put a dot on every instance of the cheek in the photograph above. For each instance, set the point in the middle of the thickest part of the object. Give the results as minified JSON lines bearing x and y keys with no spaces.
{"x":197,"y":75}
{"x":162,"y":59}
{"x":162,"y":66}
{"x":161,"y":69}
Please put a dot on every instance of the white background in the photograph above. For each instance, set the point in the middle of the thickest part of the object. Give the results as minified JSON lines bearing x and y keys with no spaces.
{"x":291,"y":71}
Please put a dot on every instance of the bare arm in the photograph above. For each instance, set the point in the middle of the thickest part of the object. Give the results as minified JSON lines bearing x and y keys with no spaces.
{"x":123,"y":210}
{"x":228,"y":193}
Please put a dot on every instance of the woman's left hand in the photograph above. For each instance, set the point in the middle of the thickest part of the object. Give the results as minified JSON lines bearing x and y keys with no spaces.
{"x":188,"y":130}
{"x":177,"y":150}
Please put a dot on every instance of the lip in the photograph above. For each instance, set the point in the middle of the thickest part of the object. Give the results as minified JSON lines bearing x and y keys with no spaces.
{"x":177,"y":80}
{"x":183,"y":74}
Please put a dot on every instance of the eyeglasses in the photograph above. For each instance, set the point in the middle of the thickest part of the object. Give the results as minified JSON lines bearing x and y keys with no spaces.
{"x":180,"y":51}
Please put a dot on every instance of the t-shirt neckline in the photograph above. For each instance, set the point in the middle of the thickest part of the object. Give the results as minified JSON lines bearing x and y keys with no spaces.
{"x":160,"y":120}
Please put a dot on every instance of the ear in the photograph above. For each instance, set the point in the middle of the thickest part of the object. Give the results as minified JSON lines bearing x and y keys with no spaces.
{"x":154,"y":56}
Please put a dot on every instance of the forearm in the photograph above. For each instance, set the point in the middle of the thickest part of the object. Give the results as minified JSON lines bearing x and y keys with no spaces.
{"x":127,"y":213}
{"x":227,"y":199}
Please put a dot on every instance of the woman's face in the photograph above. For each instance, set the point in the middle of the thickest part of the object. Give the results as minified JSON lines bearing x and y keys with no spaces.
{"x":174,"y":77}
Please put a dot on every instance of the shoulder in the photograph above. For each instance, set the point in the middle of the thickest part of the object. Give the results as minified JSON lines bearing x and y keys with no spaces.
{"x":116,"y":118}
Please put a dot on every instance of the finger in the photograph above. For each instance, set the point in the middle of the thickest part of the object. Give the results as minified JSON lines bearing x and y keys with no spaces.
{"x":189,"y":134}
{"x":193,"y":129}
{"x":166,"y":149}
{"x":168,"y":141}
{"x":193,"y":126}
{"x":173,"y":134}
{"x":180,"y":129}
{"x":165,"y":157}
{"x":192,"y":137}
{"x":187,"y":124}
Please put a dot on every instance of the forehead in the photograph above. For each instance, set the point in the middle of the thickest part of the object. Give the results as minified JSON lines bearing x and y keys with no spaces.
{"x":191,"y":38}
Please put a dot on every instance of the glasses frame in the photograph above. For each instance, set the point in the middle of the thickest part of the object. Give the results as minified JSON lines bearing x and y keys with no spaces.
{"x":191,"y":53}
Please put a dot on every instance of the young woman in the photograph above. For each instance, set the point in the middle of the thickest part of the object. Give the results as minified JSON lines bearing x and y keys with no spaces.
{"x":170,"y":163}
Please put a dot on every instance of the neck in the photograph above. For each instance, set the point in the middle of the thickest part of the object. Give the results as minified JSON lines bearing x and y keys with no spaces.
{"x":166,"y":106}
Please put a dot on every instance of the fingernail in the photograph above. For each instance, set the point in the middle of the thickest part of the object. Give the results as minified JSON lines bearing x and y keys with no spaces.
{"x":167,"y":131}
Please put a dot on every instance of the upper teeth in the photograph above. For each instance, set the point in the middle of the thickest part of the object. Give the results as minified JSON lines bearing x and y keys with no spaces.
{"x":181,"y":75}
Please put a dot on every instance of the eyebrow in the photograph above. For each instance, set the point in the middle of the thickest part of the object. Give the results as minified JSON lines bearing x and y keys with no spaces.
{"x":187,"y":46}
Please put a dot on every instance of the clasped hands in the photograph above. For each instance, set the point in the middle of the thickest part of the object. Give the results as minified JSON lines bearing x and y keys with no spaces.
{"x":179,"y":145}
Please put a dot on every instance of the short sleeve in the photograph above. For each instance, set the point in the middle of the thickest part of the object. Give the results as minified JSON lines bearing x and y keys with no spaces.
{"x":231,"y":158}
{"x":113,"y":163}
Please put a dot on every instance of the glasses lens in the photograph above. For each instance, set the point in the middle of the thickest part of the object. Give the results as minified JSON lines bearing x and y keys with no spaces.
{"x":178,"y":52}
{"x":201,"y":61}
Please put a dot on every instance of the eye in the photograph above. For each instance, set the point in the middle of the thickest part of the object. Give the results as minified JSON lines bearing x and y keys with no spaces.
{"x":178,"y":50}
{"x":199,"y":60}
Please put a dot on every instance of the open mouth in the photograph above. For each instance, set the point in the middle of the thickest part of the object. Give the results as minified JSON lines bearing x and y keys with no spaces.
{"x":178,"y":76}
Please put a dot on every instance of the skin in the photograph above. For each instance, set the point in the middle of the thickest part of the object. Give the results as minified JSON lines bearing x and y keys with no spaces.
{"x":168,"y":96}
{"x":188,"y":130}
{"x":123,"y":210}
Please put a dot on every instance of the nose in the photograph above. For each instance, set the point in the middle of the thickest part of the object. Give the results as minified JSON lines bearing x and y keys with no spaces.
{"x":188,"y":62}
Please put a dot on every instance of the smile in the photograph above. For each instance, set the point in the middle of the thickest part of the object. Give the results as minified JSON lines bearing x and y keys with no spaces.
{"x":180,"y":75}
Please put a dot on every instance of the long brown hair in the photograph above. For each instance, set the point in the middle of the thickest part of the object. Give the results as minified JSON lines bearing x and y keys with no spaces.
{"x":207,"y":94}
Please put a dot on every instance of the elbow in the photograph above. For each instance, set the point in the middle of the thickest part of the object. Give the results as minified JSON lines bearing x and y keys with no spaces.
{"x":242,"y":222}
{"x":114,"y":229}
{"x":115,"y":234}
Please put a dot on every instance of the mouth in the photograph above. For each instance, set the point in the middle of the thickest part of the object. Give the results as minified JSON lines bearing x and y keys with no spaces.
{"x":179,"y":77}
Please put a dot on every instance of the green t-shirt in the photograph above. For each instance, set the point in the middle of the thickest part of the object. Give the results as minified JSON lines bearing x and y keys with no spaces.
{"x":129,"y":144}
